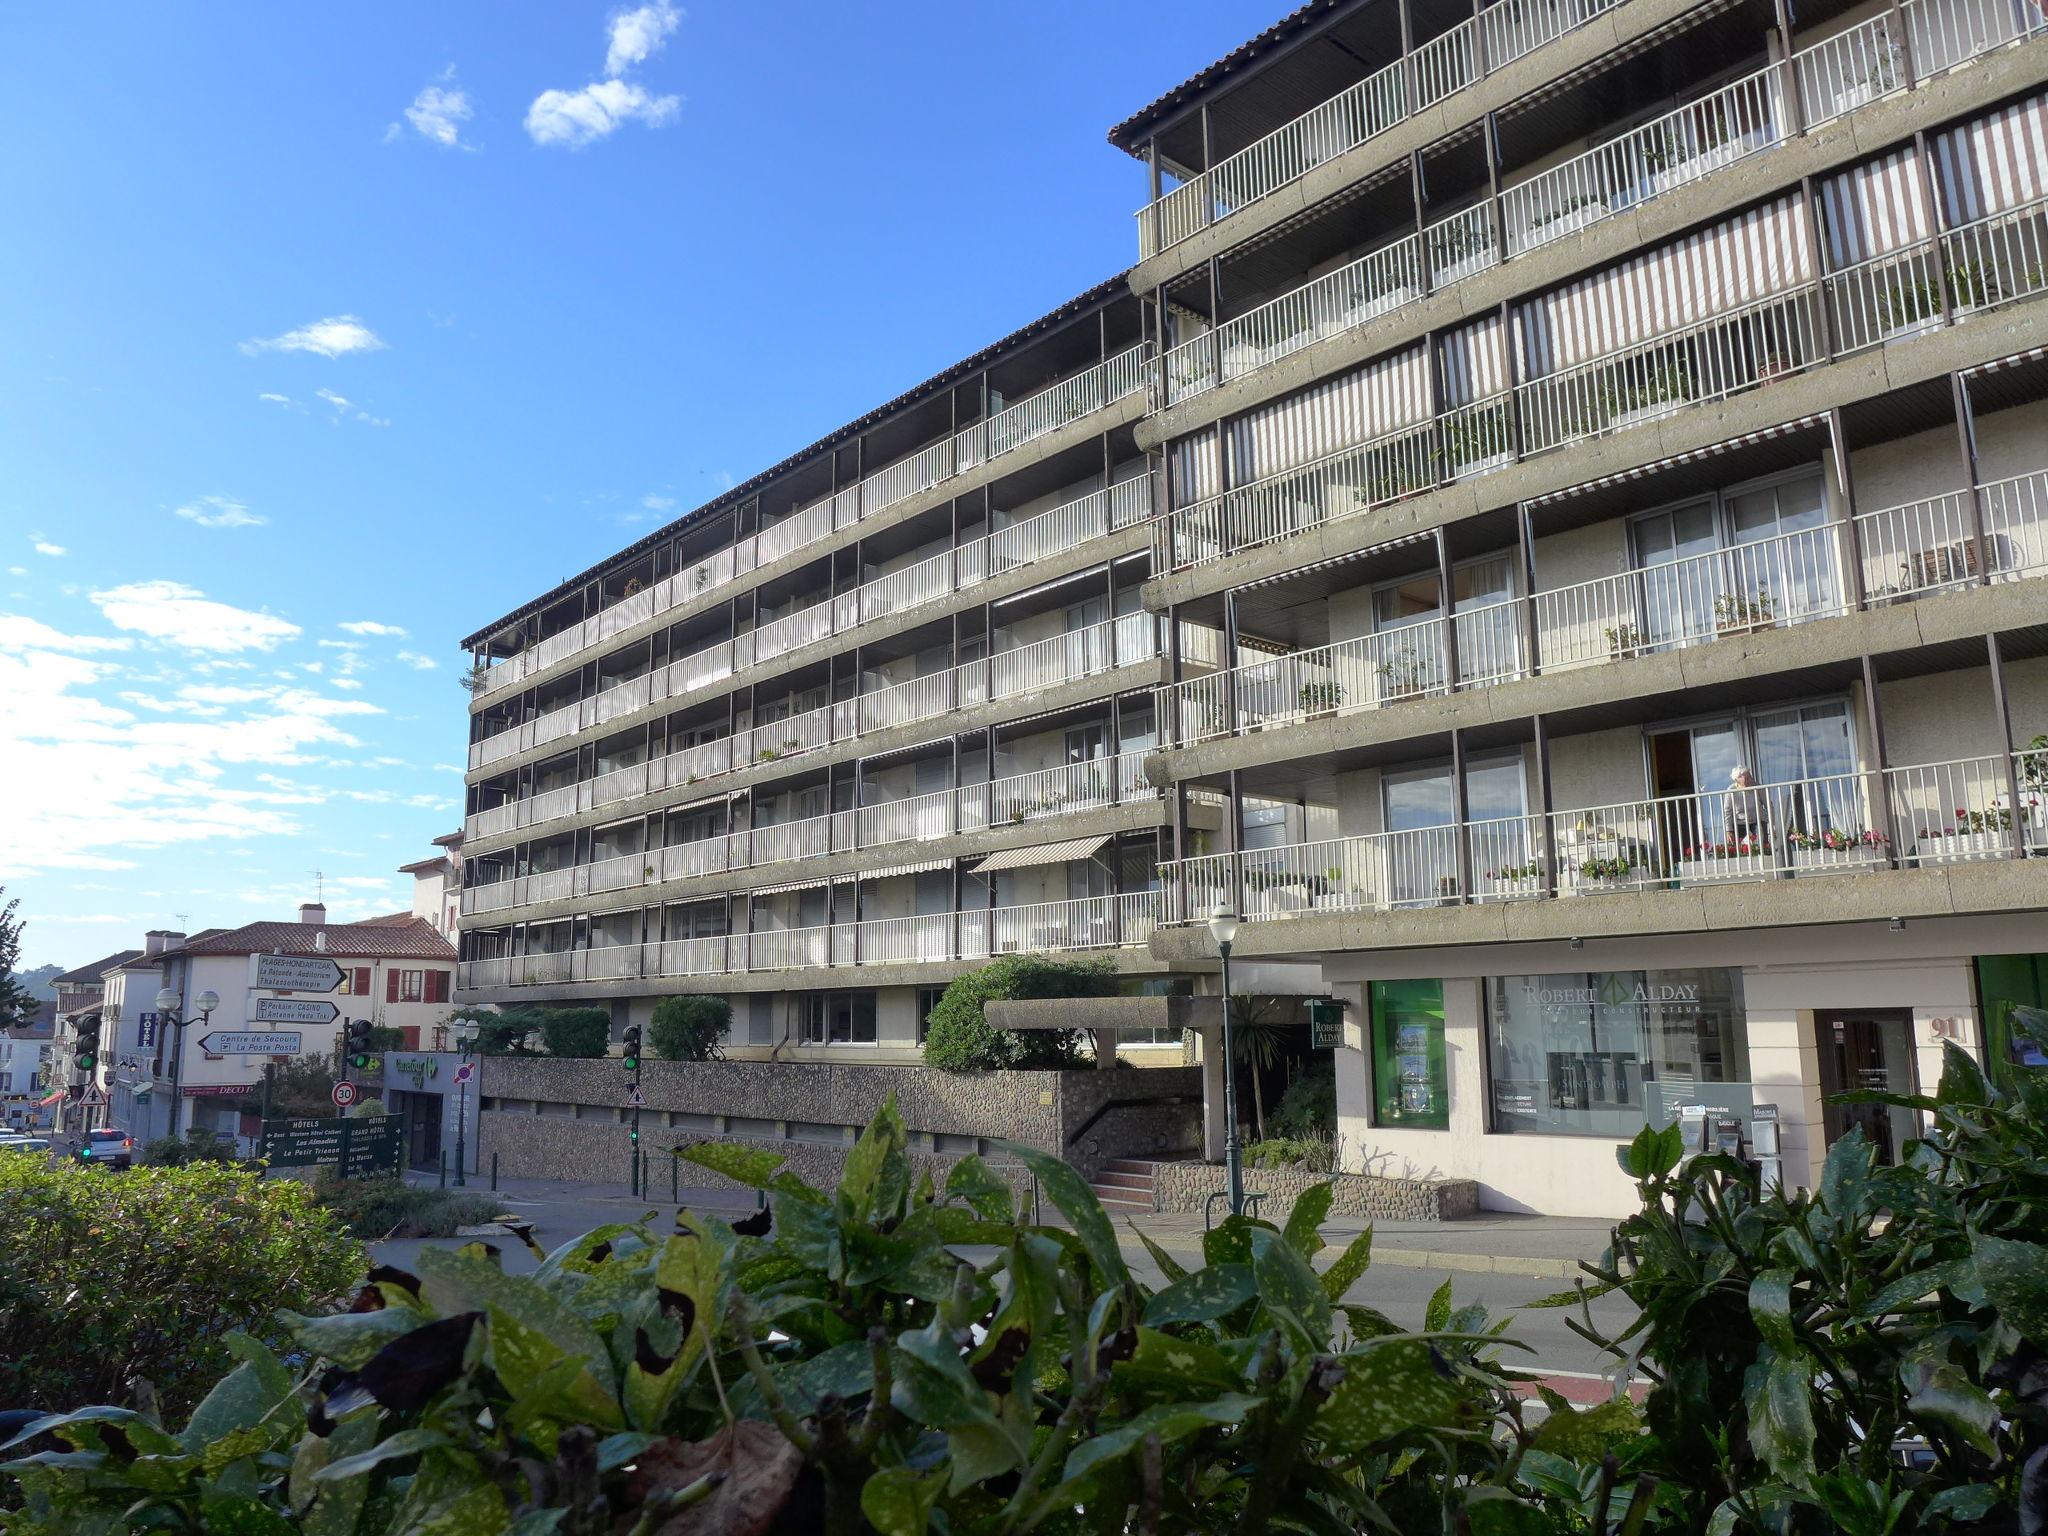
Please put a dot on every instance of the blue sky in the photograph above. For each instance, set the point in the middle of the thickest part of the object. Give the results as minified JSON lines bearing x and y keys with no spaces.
{"x":334,"y":332}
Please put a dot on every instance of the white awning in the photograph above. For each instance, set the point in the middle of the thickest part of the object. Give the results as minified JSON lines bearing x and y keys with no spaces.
{"x":1044,"y":853}
{"x":884,"y":873}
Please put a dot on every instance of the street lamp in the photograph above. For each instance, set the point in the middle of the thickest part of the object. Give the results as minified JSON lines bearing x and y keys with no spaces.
{"x":1223,"y":929}
{"x":168,"y":1017}
{"x":465,"y":1042}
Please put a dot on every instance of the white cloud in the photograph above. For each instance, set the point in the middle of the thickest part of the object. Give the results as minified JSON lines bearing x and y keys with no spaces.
{"x":636,"y":34}
{"x":343,"y":406}
{"x":220,"y":512}
{"x":418,"y":662}
{"x":275,"y":399}
{"x":17,"y":570}
{"x":438,"y":113}
{"x":371,"y":627}
{"x":185,"y":617}
{"x":336,"y":336}
{"x":20,"y":633}
{"x":345,"y":682}
{"x":43,"y":546}
{"x":342,"y":645}
{"x":658,"y":503}
{"x":573,"y":119}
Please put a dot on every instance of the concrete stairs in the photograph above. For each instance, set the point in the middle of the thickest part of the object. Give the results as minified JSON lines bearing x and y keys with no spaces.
{"x":1124,"y":1186}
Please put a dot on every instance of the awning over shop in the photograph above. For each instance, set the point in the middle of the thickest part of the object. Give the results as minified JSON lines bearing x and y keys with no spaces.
{"x":1044,"y":853}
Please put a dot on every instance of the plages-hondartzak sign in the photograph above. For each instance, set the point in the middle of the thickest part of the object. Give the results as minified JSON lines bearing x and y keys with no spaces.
{"x":297,"y":973}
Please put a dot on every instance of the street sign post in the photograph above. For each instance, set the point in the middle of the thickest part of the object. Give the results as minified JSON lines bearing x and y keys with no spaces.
{"x":358,"y":1149}
{"x":251,"y":1042}
{"x":297,"y":973}
{"x":295,"y":1010}
{"x":465,"y":1072}
{"x":635,"y":1099}
{"x":95,"y":1096}
{"x":343,"y":1094}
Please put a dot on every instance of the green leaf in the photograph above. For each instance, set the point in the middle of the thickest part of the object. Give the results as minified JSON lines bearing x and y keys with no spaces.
{"x":1229,"y":1241}
{"x":1205,"y":1294}
{"x":1169,"y":1421}
{"x":1778,"y":1390}
{"x":845,"y":1370}
{"x":351,"y":1339}
{"x":1770,"y":1307}
{"x":983,"y":1188}
{"x":754,"y":1167}
{"x":1586,"y":1434}
{"x":1438,"y":1313}
{"x":1909,"y":1288}
{"x":407,"y":1442}
{"x":1390,"y":1386}
{"x":1305,"y":1220}
{"x":1065,"y":1187}
{"x":876,"y":1177}
{"x":1351,"y":1265}
{"x":237,"y":1401}
{"x":1845,"y":1177}
{"x":898,"y":1501}
{"x":1964,"y":1505}
{"x":146,"y":1436}
{"x":1287,"y":1285}
{"x":1165,"y":1364}
{"x":1496,"y":1512}
{"x":932,"y":1385}
{"x":237,"y":1515}
{"x":1962,"y":1080}
{"x":1966,"y":1410}
{"x":1169,"y":1266}
{"x":2015,"y":1280}
{"x":450,"y":1496}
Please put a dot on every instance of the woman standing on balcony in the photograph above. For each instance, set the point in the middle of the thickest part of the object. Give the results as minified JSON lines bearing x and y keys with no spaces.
{"x":1746,"y":814}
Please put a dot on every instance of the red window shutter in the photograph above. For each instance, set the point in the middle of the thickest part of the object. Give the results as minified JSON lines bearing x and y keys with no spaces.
{"x":362,"y":981}
{"x":412,"y":1036}
{"x":391,"y":985}
{"x":437,"y":986}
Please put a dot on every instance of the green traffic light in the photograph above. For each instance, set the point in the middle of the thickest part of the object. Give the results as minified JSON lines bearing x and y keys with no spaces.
{"x":359,"y":1062}
{"x":632,"y":1063}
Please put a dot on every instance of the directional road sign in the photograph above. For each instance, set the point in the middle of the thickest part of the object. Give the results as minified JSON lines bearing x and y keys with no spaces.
{"x":297,"y":973}
{"x":295,"y":1010}
{"x":344,"y":1094}
{"x":251,"y":1042}
{"x":357,"y":1149}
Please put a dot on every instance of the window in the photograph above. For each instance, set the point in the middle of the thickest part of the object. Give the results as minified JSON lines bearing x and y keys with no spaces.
{"x":1587,"y":1053}
{"x":412,"y":986}
{"x":927,"y":1000}
{"x":356,"y":982}
{"x":437,"y":986}
{"x":838,"y":1018}
{"x":1735,"y":560}
{"x":1410,"y":1083}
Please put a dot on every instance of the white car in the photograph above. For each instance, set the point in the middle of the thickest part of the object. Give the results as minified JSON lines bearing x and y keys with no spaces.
{"x":24,"y":1144}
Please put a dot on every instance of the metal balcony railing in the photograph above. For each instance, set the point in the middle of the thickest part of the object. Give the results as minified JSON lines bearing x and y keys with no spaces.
{"x":1085,"y":923}
{"x":1094,"y":389}
{"x":1909,"y":817}
{"x":1793,"y":578}
{"x":1980,"y":265}
{"x":1042,"y":795}
{"x":1437,"y":69}
{"x":1129,"y":640}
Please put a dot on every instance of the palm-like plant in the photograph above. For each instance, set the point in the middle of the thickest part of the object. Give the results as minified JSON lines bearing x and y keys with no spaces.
{"x":1259,"y":1030}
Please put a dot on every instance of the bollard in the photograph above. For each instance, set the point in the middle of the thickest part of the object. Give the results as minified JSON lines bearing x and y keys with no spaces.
{"x":494,"y":1173}
{"x":444,"y":1170}
{"x":633,"y":1173}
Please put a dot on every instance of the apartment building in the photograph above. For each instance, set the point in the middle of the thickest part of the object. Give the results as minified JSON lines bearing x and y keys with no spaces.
{"x":1549,"y":531}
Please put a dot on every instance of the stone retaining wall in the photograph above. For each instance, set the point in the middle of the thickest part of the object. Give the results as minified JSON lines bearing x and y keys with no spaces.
{"x":546,"y":1117}
{"x":1187,"y":1187}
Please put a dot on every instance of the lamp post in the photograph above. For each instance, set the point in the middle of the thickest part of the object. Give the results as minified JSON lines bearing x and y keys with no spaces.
{"x":1223,"y":929}
{"x":168,"y":1017}
{"x":465,"y":1041}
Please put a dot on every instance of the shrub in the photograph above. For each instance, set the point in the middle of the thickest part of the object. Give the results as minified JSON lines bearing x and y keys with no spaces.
{"x":197,"y":1145}
{"x":689,"y":1028}
{"x":576,"y":1031}
{"x":961,"y":1039}
{"x":146,"y":1273}
{"x":1317,"y":1154}
{"x":376,"y":1209}
{"x":1309,"y":1106}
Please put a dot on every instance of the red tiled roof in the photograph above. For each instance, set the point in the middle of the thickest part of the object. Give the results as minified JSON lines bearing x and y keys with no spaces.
{"x":85,"y":975}
{"x":413,"y":939}
{"x":388,"y":920}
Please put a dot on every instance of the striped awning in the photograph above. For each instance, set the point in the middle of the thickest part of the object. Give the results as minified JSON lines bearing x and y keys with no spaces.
{"x":1691,"y":455}
{"x":1044,"y":853}
{"x":2017,"y":360}
{"x":884,"y":873}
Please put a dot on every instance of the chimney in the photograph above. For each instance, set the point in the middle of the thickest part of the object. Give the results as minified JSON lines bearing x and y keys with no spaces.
{"x":312,"y":913}
{"x":157,"y":940}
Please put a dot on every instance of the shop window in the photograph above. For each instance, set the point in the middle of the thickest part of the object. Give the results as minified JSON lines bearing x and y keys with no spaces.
{"x":1603,"y":1053}
{"x":2006,"y":982}
{"x":1411,"y":1084}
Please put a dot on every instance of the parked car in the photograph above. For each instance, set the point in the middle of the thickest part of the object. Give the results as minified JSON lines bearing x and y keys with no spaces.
{"x":109,"y":1145}
{"x":24,"y":1144}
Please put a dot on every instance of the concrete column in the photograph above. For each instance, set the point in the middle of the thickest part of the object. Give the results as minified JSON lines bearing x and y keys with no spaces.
{"x":1353,"y":1063}
{"x":1213,"y":1129}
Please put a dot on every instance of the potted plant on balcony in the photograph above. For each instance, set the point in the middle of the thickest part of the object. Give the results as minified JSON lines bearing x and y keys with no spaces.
{"x":1908,"y":305}
{"x":1319,"y":701}
{"x":1665,"y":388}
{"x":1741,"y":858}
{"x":1624,"y":640}
{"x":476,"y":679}
{"x":1458,"y":249}
{"x":1985,"y":834}
{"x":1401,"y":675}
{"x":1476,"y":443}
{"x":1331,"y":894}
{"x":1568,"y":217}
{"x":1512,"y":881}
{"x":1834,"y":849}
{"x":1610,"y":872}
{"x":1735,"y":614}
{"x":1878,"y":78}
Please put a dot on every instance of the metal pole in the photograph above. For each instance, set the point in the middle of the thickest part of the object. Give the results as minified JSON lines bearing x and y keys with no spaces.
{"x":461,"y":1140}
{"x":494,"y":1173}
{"x":1233,"y":1152}
{"x":440,"y":1158}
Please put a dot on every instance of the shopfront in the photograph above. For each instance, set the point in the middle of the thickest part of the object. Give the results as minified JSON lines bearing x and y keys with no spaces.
{"x":1526,"y":1066}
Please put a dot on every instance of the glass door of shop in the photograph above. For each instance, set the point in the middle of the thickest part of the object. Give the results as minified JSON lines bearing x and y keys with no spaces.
{"x":1867,"y":1049}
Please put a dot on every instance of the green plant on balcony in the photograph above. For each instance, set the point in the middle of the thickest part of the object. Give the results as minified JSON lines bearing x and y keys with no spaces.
{"x":1974,"y":285}
{"x":1624,"y":640}
{"x":1407,"y":475}
{"x":1662,"y":148}
{"x":1319,"y":698}
{"x":1462,"y":238}
{"x":1908,"y":301}
{"x":2033,"y":764}
{"x":1401,"y":674}
{"x":768,"y":755}
{"x":1509,"y":874}
{"x":1615,"y":867}
{"x":476,"y":679}
{"x":1564,"y":210}
{"x":1475,"y":438}
{"x":1670,"y":380}
{"x":1735,"y":614}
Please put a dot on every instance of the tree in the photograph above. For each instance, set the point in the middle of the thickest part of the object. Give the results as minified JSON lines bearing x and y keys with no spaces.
{"x":576,"y":1031}
{"x":689,"y":1028}
{"x":961,"y":1039}
{"x":17,"y":999}
{"x":301,"y":1089}
{"x":501,"y":1032}
{"x":1259,"y":1030}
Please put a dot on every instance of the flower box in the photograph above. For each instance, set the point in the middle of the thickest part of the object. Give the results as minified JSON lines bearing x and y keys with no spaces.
{"x":1510,"y":887}
{"x":1828,"y":861}
{"x":1463,"y":267}
{"x":1491,"y":461}
{"x":1752,"y":866}
{"x":1542,"y":231}
{"x":1726,"y":153}
{"x":1862,"y":93}
{"x":1637,"y":415}
{"x":1961,"y":847}
{"x":1591,"y":885}
{"x":1338,"y":901}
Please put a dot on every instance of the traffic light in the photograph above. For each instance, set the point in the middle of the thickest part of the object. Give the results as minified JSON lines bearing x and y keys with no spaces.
{"x":85,"y":1054}
{"x":632,"y":1056}
{"x":358,"y":1043}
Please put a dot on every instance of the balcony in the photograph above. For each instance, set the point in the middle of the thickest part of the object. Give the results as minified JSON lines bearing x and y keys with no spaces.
{"x":1087,"y":923}
{"x":1959,"y":273}
{"x":1058,"y":659}
{"x":1901,"y":553}
{"x":1094,"y":389}
{"x":995,"y":555}
{"x":1046,"y":795}
{"x":1438,"y":69}
{"x":1919,"y":817}
{"x":1833,"y":77}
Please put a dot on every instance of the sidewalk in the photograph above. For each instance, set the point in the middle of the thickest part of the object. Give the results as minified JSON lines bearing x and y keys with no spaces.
{"x":1492,"y":1243}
